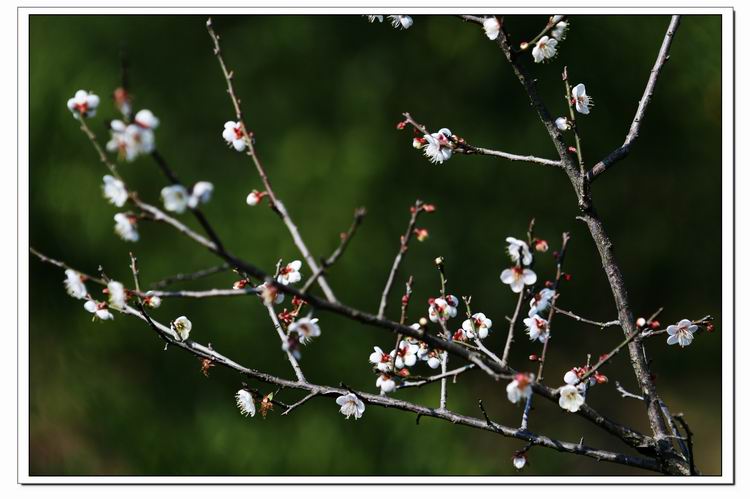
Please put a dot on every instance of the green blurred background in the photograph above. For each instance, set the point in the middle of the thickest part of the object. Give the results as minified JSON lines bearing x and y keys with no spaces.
{"x":323,"y":95}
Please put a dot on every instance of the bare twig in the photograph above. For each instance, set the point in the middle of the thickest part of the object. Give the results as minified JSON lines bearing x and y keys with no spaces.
{"x":622,"y":151}
{"x":403,"y":248}
{"x":192,"y":276}
{"x":689,"y":433}
{"x":414,"y":382}
{"x":578,"y":318}
{"x":276,"y":203}
{"x":626,"y":394}
{"x":359,"y":215}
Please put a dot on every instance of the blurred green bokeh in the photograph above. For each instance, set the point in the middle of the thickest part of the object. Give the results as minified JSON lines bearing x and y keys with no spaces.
{"x":322,"y":94}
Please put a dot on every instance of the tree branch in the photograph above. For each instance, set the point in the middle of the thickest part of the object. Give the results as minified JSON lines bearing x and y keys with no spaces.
{"x":635,"y":127}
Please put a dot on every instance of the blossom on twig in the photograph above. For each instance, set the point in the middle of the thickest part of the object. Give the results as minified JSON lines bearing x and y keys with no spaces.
{"x":541,"y":301}
{"x":74,"y":285}
{"x":570,"y":398}
{"x":518,"y":251}
{"x":114,"y":190}
{"x":351,"y":406}
{"x":381,"y":360}
{"x":481,"y":325}
{"x":442,"y":309}
{"x":581,"y":100}
{"x":519,"y":388}
{"x":681,"y":333}
{"x":537,"y":328}
{"x":99,"y":309}
{"x":491,"y":27}
{"x":438,"y":147}
{"x":182,"y":326}
{"x":126,"y":227}
{"x":117,"y":294}
{"x":245,"y":403}
{"x":234,"y":135}
{"x":306,"y":329}
{"x":545,"y":49}
{"x":289,"y":274}
{"x":517,"y":278}
{"x":83,"y":104}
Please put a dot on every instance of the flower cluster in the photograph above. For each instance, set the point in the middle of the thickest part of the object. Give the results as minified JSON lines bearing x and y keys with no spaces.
{"x":442,"y":309}
{"x":478,"y":326}
{"x":177,"y":198}
{"x":130,"y":140}
{"x":546,"y":47}
{"x":399,"y":22}
{"x":83,"y":104}
{"x":393,"y":365}
{"x":518,"y":276}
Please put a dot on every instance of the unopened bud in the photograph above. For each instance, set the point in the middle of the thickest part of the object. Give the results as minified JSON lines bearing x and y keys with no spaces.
{"x":533,"y":357}
{"x":524,"y":45}
{"x":439,"y":261}
{"x":422,"y":322}
{"x":640,"y":322}
{"x":400,"y":125}
{"x":710,"y":327}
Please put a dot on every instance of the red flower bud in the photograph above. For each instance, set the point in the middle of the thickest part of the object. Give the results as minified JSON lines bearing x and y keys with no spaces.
{"x":710,"y":327}
{"x":400,"y":125}
{"x":572,"y":150}
{"x":654,"y":324}
{"x":533,"y":357}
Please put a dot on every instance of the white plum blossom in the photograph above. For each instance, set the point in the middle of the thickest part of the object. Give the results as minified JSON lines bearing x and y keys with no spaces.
{"x":519,"y":461}
{"x":381,"y":360}
{"x":146,"y":119}
{"x":372,"y":19}
{"x":406,"y":355}
{"x":386,"y":383}
{"x":438,"y":147}
{"x":563,"y":124}
{"x":182,"y":326}
{"x":289,"y":274}
{"x":122,"y":140}
{"x":151,"y":300}
{"x":255,"y":197}
{"x":234,"y":135}
{"x":245,"y":402}
{"x":541,"y":301}
{"x":442,"y":309}
{"x":537,"y":328}
{"x":518,"y":251}
{"x":125,"y":227}
{"x":83,"y":104}
{"x":401,"y":22}
{"x":175,"y":198}
{"x":517,"y":278}
{"x":560,"y":30}
{"x":582,"y":101}
{"x":99,"y":309}
{"x":270,"y":294}
{"x":117,"y":294}
{"x":351,"y":406}
{"x":478,"y":323}
{"x":491,"y":27}
{"x":306,"y":329}
{"x":114,"y":190}
{"x":435,"y":358}
{"x":570,"y":398}
{"x":681,"y":333}
{"x":201,"y":194}
{"x":519,"y":388}
{"x":555,"y":19}
{"x":545,"y":48}
{"x":74,"y":285}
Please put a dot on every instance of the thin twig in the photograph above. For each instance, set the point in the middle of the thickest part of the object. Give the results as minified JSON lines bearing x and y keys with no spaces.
{"x":622,"y":151}
{"x":689,"y":433}
{"x":191,"y":276}
{"x":276,"y":203}
{"x":412,"y":382}
{"x":602,"y":325}
{"x":403,"y":248}
{"x":626,"y":394}
{"x":284,"y":341}
{"x":462,"y":147}
{"x":359,"y":215}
